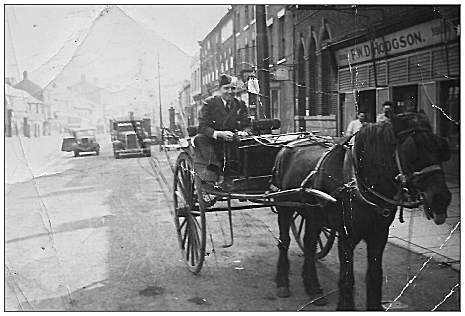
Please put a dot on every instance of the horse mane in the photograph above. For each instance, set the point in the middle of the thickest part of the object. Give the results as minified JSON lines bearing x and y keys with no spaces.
{"x":375,"y":145}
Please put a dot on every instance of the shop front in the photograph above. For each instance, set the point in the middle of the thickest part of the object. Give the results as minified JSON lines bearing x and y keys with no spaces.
{"x":417,"y":68}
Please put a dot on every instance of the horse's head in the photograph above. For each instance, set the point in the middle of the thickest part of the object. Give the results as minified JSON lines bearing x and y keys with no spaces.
{"x":421,"y":154}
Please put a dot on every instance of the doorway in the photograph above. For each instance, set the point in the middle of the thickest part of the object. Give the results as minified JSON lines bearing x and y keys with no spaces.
{"x":366,"y":101}
{"x":405,"y":98}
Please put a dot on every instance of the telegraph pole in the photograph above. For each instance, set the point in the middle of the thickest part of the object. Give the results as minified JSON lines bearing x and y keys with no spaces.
{"x":263,"y":57}
{"x":159,"y":101}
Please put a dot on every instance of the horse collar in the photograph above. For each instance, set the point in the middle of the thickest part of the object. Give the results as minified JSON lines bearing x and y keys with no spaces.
{"x":402,"y":178}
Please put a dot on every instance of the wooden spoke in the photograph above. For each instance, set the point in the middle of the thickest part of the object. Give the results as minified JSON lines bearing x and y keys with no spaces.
{"x":320,"y":242}
{"x":185,"y":236}
{"x":183,"y":223}
{"x":324,"y":242}
{"x":302,"y":221}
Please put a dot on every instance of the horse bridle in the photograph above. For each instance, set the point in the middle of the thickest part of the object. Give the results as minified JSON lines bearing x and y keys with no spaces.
{"x":405,"y":199}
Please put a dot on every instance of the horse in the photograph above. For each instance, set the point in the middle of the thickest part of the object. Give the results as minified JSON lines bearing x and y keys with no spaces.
{"x":384,"y":167}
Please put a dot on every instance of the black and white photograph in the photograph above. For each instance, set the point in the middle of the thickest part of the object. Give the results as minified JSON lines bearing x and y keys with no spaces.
{"x":245,"y":157}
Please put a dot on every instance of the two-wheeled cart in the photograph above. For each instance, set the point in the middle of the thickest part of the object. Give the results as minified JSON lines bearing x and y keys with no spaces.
{"x":249,"y":162}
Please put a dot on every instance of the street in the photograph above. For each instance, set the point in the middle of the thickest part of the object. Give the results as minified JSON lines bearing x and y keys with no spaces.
{"x":100,"y":236}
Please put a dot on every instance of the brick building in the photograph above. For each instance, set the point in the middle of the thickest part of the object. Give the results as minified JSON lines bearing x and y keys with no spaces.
{"x":217,"y":55}
{"x":329,"y":61}
{"x":185,"y":104}
{"x":353,"y":58}
{"x":195,"y":91}
{"x":231,"y":48}
{"x":337,"y":73}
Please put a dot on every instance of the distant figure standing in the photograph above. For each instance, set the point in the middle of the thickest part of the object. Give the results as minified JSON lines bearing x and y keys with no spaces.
{"x":387,"y":109}
{"x":357,"y":124}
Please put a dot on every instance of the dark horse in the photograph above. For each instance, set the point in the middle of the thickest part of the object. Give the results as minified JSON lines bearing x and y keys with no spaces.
{"x":386,"y":165}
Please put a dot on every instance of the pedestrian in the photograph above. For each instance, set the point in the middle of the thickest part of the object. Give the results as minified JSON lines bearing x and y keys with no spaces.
{"x":356,"y":124}
{"x":219,"y":117}
{"x":387,"y":110}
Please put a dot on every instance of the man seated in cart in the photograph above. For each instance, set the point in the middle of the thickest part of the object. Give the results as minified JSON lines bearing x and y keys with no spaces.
{"x":221,"y":118}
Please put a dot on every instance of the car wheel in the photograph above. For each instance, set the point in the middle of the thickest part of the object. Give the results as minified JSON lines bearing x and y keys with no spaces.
{"x":76,"y":153}
{"x":97,"y":152}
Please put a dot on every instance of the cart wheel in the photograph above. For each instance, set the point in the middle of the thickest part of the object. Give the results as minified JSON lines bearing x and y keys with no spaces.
{"x":189,"y":213}
{"x":325,"y":239}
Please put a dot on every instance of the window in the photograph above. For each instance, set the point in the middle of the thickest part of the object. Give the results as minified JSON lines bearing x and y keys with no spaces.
{"x":231,"y":62}
{"x":239,"y":57}
{"x":301,"y":91}
{"x":312,"y":76}
{"x":282,"y":39}
{"x":270,"y":44}
{"x":274,"y":103}
{"x":253,"y":53}
{"x":247,"y":60}
{"x":238,"y":21}
{"x":246,"y":14}
{"x":450,"y":103}
{"x":252,"y":13}
{"x":37,"y":108}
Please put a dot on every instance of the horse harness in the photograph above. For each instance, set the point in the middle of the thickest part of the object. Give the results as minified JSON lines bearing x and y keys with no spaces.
{"x":402,"y":199}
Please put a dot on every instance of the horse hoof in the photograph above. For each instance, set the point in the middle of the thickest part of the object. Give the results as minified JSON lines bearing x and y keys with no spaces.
{"x":283,"y":291}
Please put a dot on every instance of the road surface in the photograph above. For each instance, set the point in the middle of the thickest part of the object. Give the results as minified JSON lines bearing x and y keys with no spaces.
{"x":100,"y":236}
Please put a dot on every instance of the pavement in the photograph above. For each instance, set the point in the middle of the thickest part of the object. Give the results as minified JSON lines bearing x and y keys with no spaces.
{"x":27,"y":158}
{"x":422,"y":236}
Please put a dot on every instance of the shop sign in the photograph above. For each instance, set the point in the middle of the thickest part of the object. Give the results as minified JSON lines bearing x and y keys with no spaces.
{"x":418,"y":36}
{"x":281,"y":73}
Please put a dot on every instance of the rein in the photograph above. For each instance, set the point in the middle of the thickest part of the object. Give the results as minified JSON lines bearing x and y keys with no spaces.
{"x":402,"y":178}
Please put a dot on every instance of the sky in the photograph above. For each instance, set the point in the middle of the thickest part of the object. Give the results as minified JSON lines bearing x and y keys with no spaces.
{"x":38,"y":32}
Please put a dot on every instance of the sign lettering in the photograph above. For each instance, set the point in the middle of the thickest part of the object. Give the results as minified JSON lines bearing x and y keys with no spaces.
{"x":415,"y":37}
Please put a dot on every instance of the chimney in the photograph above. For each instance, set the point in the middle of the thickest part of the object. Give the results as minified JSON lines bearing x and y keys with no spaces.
{"x":25,"y":75}
{"x":172,"y":118}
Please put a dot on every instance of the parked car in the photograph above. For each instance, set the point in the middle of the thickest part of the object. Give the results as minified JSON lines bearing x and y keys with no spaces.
{"x":81,"y":140}
{"x":131,"y":137}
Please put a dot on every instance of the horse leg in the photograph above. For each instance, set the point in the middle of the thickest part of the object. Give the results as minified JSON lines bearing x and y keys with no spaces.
{"x":309,"y":273}
{"x":282,"y":276}
{"x":374,"y":278}
{"x":346,"y":273}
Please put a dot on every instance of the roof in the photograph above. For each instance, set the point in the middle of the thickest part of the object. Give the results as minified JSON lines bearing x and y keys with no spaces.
{"x":20,"y":93}
{"x":30,"y":87}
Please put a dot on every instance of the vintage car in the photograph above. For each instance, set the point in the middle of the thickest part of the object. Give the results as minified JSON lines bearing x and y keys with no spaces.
{"x":131,"y":137}
{"x":81,"y":140}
